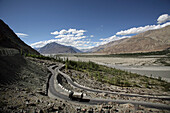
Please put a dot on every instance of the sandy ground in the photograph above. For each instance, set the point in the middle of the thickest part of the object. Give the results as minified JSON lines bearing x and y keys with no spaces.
{"x":118,"y":61}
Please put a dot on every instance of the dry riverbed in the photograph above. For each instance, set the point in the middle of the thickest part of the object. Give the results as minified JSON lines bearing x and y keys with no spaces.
{"x":124,"y":61}
{"x":146,"y":65}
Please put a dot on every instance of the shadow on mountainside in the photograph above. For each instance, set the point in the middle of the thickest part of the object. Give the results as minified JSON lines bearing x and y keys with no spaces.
{"x":10,"y":66}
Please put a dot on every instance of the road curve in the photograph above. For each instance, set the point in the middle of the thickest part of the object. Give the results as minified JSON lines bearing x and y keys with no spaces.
{"x":52,"y":92}
{"x":108,"y":92}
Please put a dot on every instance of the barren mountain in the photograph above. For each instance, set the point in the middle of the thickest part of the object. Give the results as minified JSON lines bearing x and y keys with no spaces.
{"x":8,"y":39}
{"x":102,"y":47}
{"x":153,"y":40}
{"x":54,"y":48}
{"x":11,"y":60}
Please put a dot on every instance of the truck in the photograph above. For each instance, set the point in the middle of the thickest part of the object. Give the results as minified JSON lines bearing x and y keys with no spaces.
{"x":76,"y":96}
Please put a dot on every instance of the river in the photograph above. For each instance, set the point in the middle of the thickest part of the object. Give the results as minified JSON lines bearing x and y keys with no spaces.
{"x":148,"y":70}
{"x":154,"y":71}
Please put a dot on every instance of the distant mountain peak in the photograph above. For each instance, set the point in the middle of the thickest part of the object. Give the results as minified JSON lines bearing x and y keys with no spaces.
{"x":55,"y":48}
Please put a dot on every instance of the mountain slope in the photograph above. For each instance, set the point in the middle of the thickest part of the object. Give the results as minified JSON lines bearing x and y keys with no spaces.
{"x":8,"y":39}
{"x":153,"y":40}
{"x":102,"y":47}
{"x":54,"y":48}
{"x":12,"y":63}
{"x":76,"y":50}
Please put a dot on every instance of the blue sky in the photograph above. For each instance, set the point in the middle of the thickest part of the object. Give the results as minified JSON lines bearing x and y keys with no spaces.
{"x":83,"y":23}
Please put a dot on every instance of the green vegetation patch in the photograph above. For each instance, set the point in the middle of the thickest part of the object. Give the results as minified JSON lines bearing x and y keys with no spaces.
{"x":111,"y":75}
{"x":39,"y":56}
{"x":117,"y":77}
{"x":164,"y":52}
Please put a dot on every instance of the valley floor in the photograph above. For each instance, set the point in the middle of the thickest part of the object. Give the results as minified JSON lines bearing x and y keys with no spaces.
{"x":28,"y":94}
{"x":155,"y":66}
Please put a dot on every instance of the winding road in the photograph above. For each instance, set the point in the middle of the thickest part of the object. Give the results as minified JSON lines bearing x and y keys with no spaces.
{"x":74,"y":84}
{"x":55,"y":92}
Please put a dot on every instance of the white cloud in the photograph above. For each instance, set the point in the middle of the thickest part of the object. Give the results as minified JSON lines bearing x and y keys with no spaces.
{"x":76,"y":38}
{"x":109,"y":38}
{"x":91,"y":36}
{"x":78,"y":43}
{"x":136,"y":30}
{"x":79,"y":34}
{"x":21,"y":35}
{"x":112,"y":38}
{"x":70,"y":31}
{"x":55,"y":33}
{"x":71,"y":37}
{"x":163,"y":18}
{"x":62,"y":32}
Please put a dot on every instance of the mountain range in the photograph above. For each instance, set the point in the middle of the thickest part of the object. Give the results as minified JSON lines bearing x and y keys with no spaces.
{"x":153,"y":40}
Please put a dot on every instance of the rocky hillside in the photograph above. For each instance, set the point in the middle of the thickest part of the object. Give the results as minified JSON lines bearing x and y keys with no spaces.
{"x":11,"y":60}
{"x":102,"y":47}
{"x":54,"y":48}
{"x":8,"y":39}
{"x":153,"y":40}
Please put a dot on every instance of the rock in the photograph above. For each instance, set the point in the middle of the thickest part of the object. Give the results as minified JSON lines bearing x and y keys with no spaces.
{"x":82,"y":75}
{"x":37,"y":101}
{"x":74,"y":74}
{"x":55,"y":107}
{"x":100,"y":110}
{"x":27,"y":102}
{"x":90,"y":110}
{"x":40,"y":111}
{"x":24,"y":111}
{"x":63,"y":105}
{"x":16,"y":89}
{"x":84,"y":110}
{"x":110,"y":103}
{"x":60,"y":108}
{"x":105,"y":94}
{"x":31,"y":111}
{"x":128,"y":105}
{"x":78,"y":109}
{"x":32,"y":104}
{"x":107,"y":111}
{"x":114,"y":110}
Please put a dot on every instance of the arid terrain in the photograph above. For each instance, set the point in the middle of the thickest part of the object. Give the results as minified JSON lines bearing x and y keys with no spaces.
{"x":155,"y":65}
{"x":29,"y":93}
{"x":118,"y":60}
{"x":152,"y":40}
{"x":118,"y":75}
